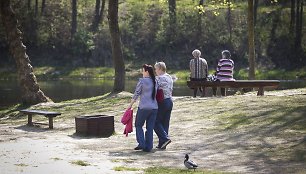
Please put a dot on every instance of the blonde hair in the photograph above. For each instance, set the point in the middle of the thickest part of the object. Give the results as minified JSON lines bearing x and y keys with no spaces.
{"x":161,"y":66}
{"x":196,"y":53}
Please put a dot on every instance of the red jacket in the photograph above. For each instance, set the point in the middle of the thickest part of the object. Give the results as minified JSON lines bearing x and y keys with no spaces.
{"x":127,"y":120}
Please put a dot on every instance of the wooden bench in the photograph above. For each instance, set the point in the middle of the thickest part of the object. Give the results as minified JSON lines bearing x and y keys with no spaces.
{"x":260,"y":84}
{"x":48,"y":114}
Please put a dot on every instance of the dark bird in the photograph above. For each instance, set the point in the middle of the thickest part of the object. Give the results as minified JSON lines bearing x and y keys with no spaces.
{"x":189,"y":164}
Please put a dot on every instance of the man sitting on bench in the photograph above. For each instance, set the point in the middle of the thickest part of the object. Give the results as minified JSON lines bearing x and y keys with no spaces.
{"x":224,"y":71}
{"x":199,"y":70}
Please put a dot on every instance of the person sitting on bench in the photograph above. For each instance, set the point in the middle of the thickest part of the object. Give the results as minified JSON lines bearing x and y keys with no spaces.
{"x":199,"y":69}
{"x":224,"y":70}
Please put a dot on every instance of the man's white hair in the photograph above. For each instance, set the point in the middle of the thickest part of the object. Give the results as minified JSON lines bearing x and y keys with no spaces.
{"x":196,"y":53}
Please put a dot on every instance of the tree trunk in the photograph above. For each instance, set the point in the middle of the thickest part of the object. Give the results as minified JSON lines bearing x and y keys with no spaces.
{"x":98,"y":16}
{"x":95,"y":22}
{"x":172,"y":18}
{"x":292,"y":17}
{"x":251,"y":39}
{"x":229,"y":20}
{"x":116,"y":46}
{"x":255,"y":11}
{"x":29,"y":5}
{"x":298,"y":25}
{"x":30,"y":91}
{"x":43,"y":6}
{"x":200,"y":19}
{"x":74,"y":19}
{"x":298,"y":34}
{"x":36,"y":7}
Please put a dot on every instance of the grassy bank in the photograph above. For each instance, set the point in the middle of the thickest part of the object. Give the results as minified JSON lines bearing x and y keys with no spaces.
{"x":104,"y":72}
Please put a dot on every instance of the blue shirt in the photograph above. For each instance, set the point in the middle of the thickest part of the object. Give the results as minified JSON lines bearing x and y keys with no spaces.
{"x":144,"y":90}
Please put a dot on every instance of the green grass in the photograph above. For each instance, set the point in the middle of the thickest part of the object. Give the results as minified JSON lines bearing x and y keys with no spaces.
{"x":80,"y":163}
{"x":277,"y":74}
{"x":71,"y":108}
{"x":123,"y":168}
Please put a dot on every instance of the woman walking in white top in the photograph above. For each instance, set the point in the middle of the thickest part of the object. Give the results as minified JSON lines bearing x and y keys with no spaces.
{"x":165,"y":83}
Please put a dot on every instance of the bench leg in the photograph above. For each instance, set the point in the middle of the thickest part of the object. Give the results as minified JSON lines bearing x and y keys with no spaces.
{"x":223,"y":91}
{"x":203,"y":92}
{"x":195,"y":90}
{"x":50,"y":122}
{"x":30,"y":123}
{"x":260,"y":91}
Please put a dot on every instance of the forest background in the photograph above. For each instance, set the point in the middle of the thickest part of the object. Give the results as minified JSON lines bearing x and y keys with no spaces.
{"x":61,"y":33}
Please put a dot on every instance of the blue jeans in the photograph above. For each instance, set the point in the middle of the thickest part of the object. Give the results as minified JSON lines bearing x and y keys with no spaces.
{"x":148,"y":116}
{"x":161,"y":127}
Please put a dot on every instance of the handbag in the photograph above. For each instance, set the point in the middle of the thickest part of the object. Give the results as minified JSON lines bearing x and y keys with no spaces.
{"x":159,"y":95}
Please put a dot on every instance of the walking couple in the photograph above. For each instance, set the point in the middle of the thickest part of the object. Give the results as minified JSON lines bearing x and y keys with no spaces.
{"x":155,"y":114}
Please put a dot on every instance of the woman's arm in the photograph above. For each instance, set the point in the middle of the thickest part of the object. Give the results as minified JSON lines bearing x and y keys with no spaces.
{"x":137,"y":93}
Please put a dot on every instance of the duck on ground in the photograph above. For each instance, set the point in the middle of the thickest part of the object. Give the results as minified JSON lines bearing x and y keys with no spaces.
{"x":189,"y":164}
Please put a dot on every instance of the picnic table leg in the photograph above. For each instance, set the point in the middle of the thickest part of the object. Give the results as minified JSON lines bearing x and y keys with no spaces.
{"x":260,"y":91}
{"x":30,"y":123}
{"x":50,"y":122}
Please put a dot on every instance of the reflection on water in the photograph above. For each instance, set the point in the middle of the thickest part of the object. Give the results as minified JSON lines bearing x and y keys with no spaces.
{"x":61,"y":90}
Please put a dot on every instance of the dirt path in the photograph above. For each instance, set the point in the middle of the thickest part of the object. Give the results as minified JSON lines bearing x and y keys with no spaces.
{"x":39,"y":150}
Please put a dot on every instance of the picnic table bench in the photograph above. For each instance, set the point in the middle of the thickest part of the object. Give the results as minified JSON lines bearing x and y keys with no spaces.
{"x":48,"y":114}
{"x":260,"y":84}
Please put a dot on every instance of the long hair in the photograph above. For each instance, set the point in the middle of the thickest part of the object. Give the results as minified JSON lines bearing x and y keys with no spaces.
{"x":149,"y":68}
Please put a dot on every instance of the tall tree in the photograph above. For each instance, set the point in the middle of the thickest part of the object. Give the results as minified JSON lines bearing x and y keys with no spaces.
{"x":251,"y":39}
{"x":201,"y":3}
{"x":172,"y":18}
{"x":36,"y":7}
{"x":30,"y":90}
{"x":298,"y":24}
{"x":292,"y":17}
{"x":229,"y":20}
{"x":298,"y":51}
{"x":43,"y":6}
{"x":98,"y":16}
{"x":255,"y":11}
{"x":74,"y":18}
{"x":116,"y":46}
{"x":29,"y":5}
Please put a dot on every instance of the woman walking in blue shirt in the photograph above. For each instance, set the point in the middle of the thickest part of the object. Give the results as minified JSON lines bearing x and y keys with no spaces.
{"x":147,"y":108}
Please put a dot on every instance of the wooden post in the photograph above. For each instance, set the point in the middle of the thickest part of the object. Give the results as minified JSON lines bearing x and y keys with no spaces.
{"x":50,"y":122}
{"x":30,"y":123}
{"x":260,"y":91}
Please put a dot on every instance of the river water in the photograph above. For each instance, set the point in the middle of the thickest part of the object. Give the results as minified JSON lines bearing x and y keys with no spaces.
{"x":67,"y":89}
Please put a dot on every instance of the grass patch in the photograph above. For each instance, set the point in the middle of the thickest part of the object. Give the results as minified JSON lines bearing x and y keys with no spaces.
{"x":56,"y":159}
{"x":69,"y":109}
{"x":123,"y":168}
{"x":21,"y":165}
{"x":158,"y":170}
{"x":80,"y":163}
